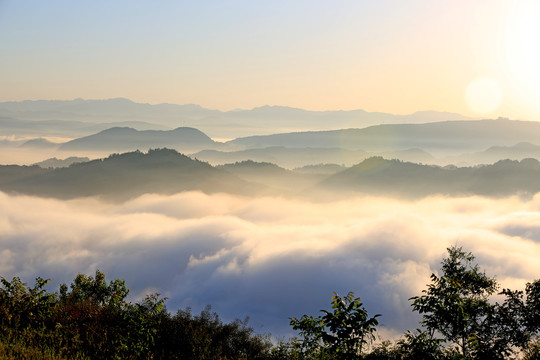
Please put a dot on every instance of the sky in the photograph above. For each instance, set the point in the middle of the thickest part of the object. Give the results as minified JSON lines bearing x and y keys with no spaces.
{"x":476,"y":58}
{"x":272,"y":258}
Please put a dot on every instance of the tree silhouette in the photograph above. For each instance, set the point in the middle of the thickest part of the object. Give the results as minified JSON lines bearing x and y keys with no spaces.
{"x":343,"y":332}
{"x":456,"y":306}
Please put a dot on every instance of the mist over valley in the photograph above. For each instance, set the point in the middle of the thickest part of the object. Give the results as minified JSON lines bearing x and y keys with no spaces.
{"x":248,"y":224}
{"x":262,"y":180}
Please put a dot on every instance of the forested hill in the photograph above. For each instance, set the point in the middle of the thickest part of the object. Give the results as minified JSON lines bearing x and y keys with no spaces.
{"x":393,"y":177}
{"x":164,"y":171}
{"x":121,"y":176}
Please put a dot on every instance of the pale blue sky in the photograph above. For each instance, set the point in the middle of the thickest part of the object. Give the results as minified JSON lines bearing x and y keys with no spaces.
{"x":391,"y":55}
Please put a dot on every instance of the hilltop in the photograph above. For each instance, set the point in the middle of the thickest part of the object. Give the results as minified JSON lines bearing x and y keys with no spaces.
{"x":121,"y":176}
{"x":125,"y":138}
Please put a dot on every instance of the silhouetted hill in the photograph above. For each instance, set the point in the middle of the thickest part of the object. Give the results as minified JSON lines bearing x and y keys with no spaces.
{"x":124,"y":138}
{"x":285,"y":156}
{"x":447,"y":136}
{"x":39,"y":144}
{"x":11,"y":174}
{"x":411,"y":155}
{"x":391,"y":177}
{"x":121,"y":176}
{"x":56,"y":163}
{"x":296,"y":157}
{"x":250,"y":166}
{"x":522,"y":150}
{"x":327,"y":169}
{"x":272,"y":175}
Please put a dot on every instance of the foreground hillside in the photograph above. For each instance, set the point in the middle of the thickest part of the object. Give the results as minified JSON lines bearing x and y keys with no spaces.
{"x":93,"y":320}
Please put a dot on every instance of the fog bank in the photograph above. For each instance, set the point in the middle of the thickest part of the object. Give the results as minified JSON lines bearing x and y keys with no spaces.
{"x":269,"y":258}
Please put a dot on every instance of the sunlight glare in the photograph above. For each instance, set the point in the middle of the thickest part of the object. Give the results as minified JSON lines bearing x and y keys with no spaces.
{"x":483,"y":95}
{"x":522,"y":50}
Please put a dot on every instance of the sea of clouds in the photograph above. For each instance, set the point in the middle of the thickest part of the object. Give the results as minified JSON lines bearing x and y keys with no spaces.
{"x":269,"y":258}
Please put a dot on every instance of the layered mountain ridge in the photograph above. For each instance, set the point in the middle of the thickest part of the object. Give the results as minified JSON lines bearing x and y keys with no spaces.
{"x":165,"y":171}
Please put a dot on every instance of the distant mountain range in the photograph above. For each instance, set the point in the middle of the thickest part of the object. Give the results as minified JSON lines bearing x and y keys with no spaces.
{"x":297,"y":157}
{"x":66,"y":128}
{"x":96,"y":128}
{"x":441,"y":137}
{"x":83,"y":117}
{"x":284,"y":156}
{"x":447,"y":142}
{"x":120,"y":177}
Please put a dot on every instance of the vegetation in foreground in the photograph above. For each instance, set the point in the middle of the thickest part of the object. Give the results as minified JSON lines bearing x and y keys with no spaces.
{"x":93,"y":320}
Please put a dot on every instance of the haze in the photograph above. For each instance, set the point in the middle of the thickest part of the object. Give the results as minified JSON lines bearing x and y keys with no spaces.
{"x":257,"y":156}
{"x":390,"y":56}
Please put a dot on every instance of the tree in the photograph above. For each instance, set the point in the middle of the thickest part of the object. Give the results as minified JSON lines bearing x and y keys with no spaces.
{"x":343,"y":332}
{"x":419,"y":345}
{"x":95,"y":316}
{"x":456,"y":305}
{"x":532,"y":307}
{"x":96,"y":290}
{"x":519,"y":318}
{"x":23,"y":307}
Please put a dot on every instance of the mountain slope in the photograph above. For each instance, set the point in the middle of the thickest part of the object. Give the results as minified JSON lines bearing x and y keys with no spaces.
{"x":124,"y":139}
{"x":273,"y":176}
{"x":165,"y":171}
{"x":290,"y":158}
{"x":39,"y":143}
{"x":447,"y":136}
{"x":284,"y":156}
{"x":519,"y":151}
{"x":58,"y":163}
{"x":123,"y":176}
{"x":395,"y":178}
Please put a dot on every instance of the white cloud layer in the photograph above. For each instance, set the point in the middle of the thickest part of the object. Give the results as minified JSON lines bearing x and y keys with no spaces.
{"x":269,"y":258}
